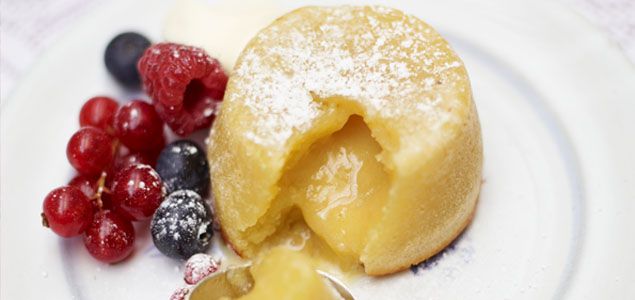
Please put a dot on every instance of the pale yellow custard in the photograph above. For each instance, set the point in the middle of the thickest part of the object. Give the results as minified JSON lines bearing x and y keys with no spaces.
{"x":286,"y":274}
{"x":279,"y":273}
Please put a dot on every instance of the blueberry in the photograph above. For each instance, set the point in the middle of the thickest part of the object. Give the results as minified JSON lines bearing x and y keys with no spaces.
{"x":122,"y":54}
{"x":182,"y":225}
{"x":183,"y":165}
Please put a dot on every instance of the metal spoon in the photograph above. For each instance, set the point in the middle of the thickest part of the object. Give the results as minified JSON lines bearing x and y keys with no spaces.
{"x":338,"y":285}
{"x":237,"y":281}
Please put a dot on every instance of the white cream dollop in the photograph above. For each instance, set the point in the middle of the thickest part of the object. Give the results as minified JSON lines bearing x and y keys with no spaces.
{"x":222,"y":28}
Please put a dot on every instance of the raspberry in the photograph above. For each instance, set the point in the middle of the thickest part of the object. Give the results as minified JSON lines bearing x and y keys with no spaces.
{"x":180,"y":294}
{"x":200,"y":266}
{"x":184,"y":83}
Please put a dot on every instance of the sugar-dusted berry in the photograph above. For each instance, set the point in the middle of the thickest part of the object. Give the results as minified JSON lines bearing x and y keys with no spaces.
{"x":110,"y":237}
{"x":67,"y":211}
{"x":99,"y":112}
{"x":139,"y":127}
{"x":182,"y":225}
{"x":90,"y":150}
{"x":137,"y":191}
{"x":185,"y":84}
{"x":200,"y":266}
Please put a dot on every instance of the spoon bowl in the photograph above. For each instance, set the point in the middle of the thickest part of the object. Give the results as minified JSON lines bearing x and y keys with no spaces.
{"x":237,"y":281}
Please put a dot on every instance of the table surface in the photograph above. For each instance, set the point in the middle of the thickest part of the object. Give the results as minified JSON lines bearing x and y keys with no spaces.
{"x":28,"y":27}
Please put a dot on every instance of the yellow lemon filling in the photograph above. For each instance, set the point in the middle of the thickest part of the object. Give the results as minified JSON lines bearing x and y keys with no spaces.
{"x":286,"y":274}
{"x":279,"y":273}
{"x":330,"y":199}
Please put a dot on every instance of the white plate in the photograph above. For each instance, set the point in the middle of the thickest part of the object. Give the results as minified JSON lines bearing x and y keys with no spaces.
{"x":556,"y":101}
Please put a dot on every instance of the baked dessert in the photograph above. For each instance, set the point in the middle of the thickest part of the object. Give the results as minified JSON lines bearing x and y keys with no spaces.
{"x":350,"y":133}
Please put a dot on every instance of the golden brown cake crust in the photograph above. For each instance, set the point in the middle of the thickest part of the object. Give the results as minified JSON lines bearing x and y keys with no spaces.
{"x":451,"y":238}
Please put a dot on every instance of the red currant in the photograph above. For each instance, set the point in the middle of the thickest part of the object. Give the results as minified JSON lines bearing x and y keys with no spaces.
{"x":99,"y":112}
{"x":94,"y":189}
{"x":109,"y":238}
{"x":134,"y":158}
{"x":86,"y":184}
{"x":90,"y":150}
{"x":137,"y":191}
{"x":138,"y":126}
{"x":124,"y":159}
{"x":67,"y":211}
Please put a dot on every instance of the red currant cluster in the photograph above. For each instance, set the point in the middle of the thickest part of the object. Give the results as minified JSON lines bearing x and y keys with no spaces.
{"x":113,"y":152}
{"x":116,"y":147}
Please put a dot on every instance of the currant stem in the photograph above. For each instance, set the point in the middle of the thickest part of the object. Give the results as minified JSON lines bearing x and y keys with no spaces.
{"x":45,"y":222}
{"x":101,"y":189}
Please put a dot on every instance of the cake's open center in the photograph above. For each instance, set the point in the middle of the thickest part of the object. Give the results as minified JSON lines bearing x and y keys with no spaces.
{"x":332,"y":196}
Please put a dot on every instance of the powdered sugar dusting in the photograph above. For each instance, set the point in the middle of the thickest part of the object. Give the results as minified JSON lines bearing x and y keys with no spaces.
{"x":172,"y":223}
{"x":180,"y":293}
{"x":200,"y":266}
{"x":376,"y":56}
